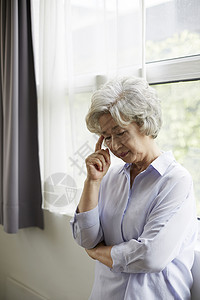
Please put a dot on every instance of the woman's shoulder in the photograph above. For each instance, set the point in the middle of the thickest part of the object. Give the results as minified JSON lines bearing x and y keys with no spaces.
{"x":176,"y":172}
{"x":171,"y":167}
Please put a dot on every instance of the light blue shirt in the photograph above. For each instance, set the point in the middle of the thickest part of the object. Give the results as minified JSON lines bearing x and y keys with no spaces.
{"x":152,"y":227}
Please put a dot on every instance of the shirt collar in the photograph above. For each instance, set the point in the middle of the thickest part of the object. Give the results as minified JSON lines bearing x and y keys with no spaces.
{"x":124,"y":167}
{"x":163,"y":162}
{"x":160,"y":164}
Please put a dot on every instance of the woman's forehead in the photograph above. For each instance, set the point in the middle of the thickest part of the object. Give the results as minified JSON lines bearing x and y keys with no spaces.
{"x":108,"y":124}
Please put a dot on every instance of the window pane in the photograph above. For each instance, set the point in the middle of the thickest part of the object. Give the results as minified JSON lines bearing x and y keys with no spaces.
{"x":100,"y":37}
{"x":172,"y":29}
{"x":180,"y":132}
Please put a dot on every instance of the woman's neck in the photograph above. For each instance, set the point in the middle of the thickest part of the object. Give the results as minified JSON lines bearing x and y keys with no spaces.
{"x":152,"y":153}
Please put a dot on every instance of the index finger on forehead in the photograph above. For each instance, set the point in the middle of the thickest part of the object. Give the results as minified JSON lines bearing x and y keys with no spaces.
{"x":99,"y":143}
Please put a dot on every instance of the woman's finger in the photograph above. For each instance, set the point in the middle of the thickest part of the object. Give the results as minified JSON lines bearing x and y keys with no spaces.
{"x":105,"y":154}
{"x":99,"y":143}
{"x":99,"y":159}
{"x":96,"y":162}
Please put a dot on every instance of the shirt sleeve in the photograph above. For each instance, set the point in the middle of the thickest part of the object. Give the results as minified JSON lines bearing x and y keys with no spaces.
{"x":86,"y":228}
{"x":170,"y":223}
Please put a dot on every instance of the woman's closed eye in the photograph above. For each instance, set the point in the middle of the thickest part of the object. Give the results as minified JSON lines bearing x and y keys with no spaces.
{"x":107,"y":139}
{"x":121,"y":133}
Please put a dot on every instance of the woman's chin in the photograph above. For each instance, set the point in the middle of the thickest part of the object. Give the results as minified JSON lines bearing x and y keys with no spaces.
{"x":126,"y":157}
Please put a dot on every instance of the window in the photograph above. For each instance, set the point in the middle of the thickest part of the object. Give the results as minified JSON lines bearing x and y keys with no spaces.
{"x":173,"y":29}
{"x":173,"y":67}
{"x":91,"y":41}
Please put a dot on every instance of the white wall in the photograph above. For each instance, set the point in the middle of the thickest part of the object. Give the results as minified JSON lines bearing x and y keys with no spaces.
{"x":48,"y":261}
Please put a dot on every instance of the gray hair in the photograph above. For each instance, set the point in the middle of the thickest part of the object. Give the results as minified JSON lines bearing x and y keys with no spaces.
{"x":127,"y":99}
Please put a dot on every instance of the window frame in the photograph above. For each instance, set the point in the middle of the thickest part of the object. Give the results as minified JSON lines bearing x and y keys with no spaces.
{"x":173,"y":70}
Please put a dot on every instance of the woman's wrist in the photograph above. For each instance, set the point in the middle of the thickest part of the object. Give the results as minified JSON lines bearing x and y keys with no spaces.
{"x":92,"y":182}
{"x":89,"y":198}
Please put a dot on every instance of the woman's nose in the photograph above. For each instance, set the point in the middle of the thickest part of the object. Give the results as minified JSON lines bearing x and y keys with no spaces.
{"x":115,"y":144}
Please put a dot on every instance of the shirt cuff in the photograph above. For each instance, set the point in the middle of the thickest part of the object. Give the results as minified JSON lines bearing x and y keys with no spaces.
{"x":86,"y":228}
{"x":119,"y":261}
{"x":87,"y":219}
{"x":84,"y":220}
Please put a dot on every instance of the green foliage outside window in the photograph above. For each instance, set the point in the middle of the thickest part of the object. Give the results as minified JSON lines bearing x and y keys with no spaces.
{"x":180,"y":44}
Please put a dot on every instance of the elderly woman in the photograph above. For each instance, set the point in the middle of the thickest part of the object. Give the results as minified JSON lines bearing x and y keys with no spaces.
{"x":137,"y":220}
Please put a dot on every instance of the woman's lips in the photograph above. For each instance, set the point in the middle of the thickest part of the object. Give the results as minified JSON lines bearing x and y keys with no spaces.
{"x":123,"y":154}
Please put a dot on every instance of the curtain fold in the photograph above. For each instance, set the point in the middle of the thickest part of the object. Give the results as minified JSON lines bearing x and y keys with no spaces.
{"x":20,"y":187}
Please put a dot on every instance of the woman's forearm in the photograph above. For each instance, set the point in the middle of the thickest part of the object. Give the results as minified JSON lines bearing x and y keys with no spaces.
{"x":89,"y":197}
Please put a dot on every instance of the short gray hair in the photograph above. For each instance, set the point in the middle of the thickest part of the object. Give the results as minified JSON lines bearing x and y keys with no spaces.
{"x":127,"y":99}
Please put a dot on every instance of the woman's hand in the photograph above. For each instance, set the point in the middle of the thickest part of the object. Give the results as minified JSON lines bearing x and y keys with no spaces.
{"x":97,"y":165}
{"x":98,"y":162}
{"x":101,"y":253}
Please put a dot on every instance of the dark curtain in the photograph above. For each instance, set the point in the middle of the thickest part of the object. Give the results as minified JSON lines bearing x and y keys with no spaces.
{"x":20,"y":185}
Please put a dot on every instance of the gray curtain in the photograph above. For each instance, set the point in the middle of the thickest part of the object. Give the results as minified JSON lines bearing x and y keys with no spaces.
{"x":20,"y":185}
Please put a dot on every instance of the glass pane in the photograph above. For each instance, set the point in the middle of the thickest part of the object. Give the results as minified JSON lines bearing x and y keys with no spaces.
{"x":172,"y":29}
{"x":181,"y":122}
{"x":101,"y":41}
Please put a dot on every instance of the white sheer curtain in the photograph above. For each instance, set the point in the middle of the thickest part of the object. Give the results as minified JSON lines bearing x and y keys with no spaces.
{"x":78,"y":45}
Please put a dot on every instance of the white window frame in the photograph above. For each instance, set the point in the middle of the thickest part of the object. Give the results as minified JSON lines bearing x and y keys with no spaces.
{"x":173,"y":70}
